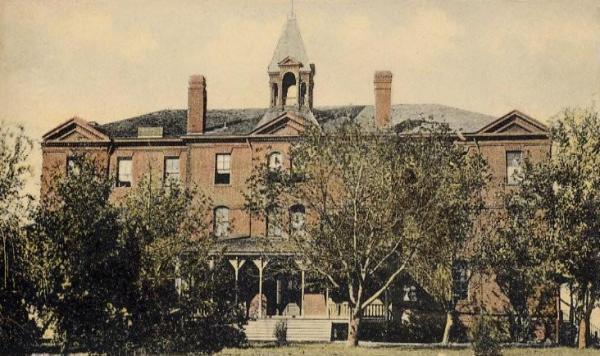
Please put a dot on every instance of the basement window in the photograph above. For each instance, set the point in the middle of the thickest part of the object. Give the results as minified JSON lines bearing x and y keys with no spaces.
{"x":124,"y":177}
{"x":223,"y":169}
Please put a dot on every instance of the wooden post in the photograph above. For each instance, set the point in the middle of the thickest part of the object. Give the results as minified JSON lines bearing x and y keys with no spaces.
{"x":302,"y":296}
{"x":260,"y":264}
{"x":302,"y":268}
{"x":237,"y":265}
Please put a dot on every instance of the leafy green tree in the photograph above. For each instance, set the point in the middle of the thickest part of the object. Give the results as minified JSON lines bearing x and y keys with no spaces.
{"x":82,"y":271}
{"x":558,"y":205}
{"x":374,"y":202}
{"x":444,"y":268}
{"x":176,"y":305}
{"x":519,"y":262}
{"x":17,"y":330}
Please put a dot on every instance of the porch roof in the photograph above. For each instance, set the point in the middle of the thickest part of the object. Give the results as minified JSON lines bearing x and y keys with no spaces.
{"x":254,"y":246}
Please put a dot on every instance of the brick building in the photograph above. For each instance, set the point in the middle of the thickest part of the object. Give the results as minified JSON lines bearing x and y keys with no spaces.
{"x":216,"y":150}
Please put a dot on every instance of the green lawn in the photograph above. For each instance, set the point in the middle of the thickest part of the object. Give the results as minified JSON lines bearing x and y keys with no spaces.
{"x":340,"y":349}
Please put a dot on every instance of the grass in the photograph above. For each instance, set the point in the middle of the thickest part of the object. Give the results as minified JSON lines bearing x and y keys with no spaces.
{"x":340,"y":349}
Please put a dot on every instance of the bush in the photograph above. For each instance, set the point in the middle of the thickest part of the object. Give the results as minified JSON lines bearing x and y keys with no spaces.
{"x":280,"y":332}
{"x":485,"y":337}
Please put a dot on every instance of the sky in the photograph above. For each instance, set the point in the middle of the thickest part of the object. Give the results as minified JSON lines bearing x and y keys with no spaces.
{"x":108,"y":60}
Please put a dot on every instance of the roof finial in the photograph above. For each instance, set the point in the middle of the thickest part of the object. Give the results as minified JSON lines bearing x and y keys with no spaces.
{"x":292,"y":15}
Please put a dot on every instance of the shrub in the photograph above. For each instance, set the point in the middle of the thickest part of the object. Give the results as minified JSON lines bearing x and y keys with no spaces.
{"x":485,"y":337}
{"x":280,"y":332}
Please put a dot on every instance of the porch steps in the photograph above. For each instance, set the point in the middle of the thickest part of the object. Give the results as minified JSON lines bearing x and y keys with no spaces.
{"x":297,"y":329}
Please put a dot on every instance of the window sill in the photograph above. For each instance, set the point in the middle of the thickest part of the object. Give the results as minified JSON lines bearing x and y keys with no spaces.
{"x":221,"y":185}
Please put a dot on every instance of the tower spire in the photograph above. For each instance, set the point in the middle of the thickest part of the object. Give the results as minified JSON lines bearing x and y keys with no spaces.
{"x":292,"y":15}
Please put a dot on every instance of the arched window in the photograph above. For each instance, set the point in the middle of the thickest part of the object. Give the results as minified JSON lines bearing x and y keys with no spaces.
{"x":273,"y":222}
{"x":297,"y":218}
{"x":221,"y":221}
{"x":275,"y":161}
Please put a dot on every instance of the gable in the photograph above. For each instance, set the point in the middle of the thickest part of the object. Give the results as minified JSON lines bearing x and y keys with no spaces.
{"x":289,"y":61}
{"x":75,"y":130}
{"x":516,"y":123}
{"x":284,"y":125}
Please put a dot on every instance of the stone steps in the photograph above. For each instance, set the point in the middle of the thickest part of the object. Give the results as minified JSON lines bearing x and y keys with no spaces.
{"x":297,"y":330}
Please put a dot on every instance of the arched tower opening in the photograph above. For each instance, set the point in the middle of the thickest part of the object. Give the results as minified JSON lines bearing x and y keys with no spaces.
{"x":289,"y":89}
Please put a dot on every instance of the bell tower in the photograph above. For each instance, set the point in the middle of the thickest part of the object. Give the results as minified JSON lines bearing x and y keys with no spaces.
{"x":290,"y":73}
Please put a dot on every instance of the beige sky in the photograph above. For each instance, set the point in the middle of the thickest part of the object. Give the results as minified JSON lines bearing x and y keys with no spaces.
{"x":107,"y":60}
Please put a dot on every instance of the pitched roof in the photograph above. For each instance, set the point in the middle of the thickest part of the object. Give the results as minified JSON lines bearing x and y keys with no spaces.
{"x":290,"y":44}
{"x":243,"y":121}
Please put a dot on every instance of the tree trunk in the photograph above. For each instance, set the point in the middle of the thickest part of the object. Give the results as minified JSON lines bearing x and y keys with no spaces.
{"x":448,"y":328}
{"x":583,"y":331}
{"x":353,"y":328}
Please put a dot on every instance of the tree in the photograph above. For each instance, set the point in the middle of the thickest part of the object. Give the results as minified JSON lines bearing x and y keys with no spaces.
{"x":82,"y":270}
{"x":444,"y":268}
{"x":373,"y":201}
{"x":17,"y":330}
{"x":519,"y":262}
{"x":563,"y":197}
{"x":173,"y":304}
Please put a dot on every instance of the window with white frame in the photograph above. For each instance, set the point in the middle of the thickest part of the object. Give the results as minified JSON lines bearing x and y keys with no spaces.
{"x":223,"y":169}
{"x":513,"y":167}
{"x":221,"y":220}
{"x":124,"y":177}
{"x":171,"y":169}
{"x":73,"y":165}
{"x":297,"y":218}
{"x":275,"y":161}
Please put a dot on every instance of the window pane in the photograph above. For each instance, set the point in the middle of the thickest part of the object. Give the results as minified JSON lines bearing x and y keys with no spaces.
{"x":223,"y":161}
{"x":275,"y":161}
{"x":513,"y":167}
{"x":221,"y":221}
{"x":172,"y":168}
{"x":124,"y":171}
{"x":297,"y":217}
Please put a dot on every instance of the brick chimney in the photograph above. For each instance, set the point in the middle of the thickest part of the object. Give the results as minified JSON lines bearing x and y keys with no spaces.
{"x":383,"y":98}
{"x":196,"y":115}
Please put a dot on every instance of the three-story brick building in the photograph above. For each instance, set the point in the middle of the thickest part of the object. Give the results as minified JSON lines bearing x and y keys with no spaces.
{"x":217,"y":149}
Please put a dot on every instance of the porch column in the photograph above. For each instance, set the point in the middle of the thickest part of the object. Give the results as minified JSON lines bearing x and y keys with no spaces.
{"x":260,"y":264}
{"x":237,"y":265}
{"x":302,"y":268}
{"x":386,"y":305}
{"x":211,"y":268}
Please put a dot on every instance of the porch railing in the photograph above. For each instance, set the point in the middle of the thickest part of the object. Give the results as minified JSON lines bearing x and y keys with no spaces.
{"x":343,"y":311}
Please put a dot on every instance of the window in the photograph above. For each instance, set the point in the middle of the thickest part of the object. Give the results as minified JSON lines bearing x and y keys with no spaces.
{"x":171,"y":169}
{"x":460,"y":278}
{"x":221,"y":219}
{"x":410,"y":293}
{"x":274,"y":222}
{"x":513,"y":167}
{"x":73,"y":165}
{"x":275,"y":161}
{"x":124,"y":172}
{"x":297,"y":218}
{"x":223,"y":169}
